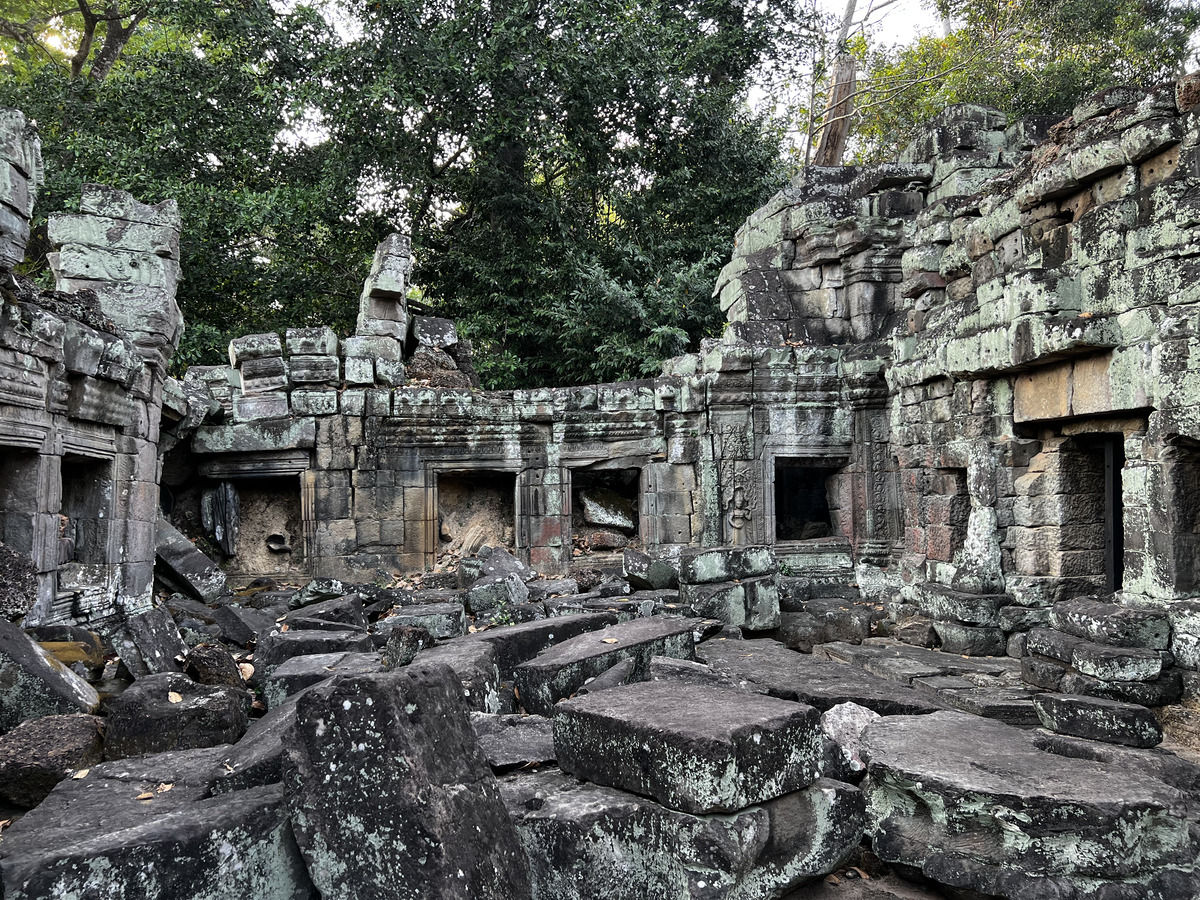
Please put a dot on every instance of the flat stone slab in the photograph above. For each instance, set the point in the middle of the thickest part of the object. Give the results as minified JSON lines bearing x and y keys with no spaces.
{"x":442,"y":620}
{"x":1098,"y":719}
{"x":945,"y":663}
{"x":648,"y":738}
{"x":515,"y":644}
{"x":588,"y":842}
{"x":1112,"y":624}
{"x":560,"y":671}
{"x":145,"y":828}
{"x":513,"y":741}
{"x":823,"y":684}
{"x":974,"y":804}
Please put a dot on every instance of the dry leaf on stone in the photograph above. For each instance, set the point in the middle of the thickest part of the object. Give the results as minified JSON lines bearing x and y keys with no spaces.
{"x":82,"y":773}
{"x":283,"y":627}
{"x":164,"y":787}
{"x":145,"y":795}
{"x":833,"y":879}
{"x":608,"y":640}
{"x":174,"y":697}
{"x":246,"y":670}
{"x":861,"y":874}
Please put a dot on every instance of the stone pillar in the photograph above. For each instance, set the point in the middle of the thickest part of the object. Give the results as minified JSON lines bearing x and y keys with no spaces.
{"x":382,"y":309}
{"x":874,"y":510}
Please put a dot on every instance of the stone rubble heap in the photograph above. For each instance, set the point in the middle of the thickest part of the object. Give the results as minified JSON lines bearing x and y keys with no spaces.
{"x":633,"y":750}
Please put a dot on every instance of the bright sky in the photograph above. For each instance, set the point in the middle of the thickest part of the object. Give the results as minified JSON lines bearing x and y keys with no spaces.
{"x":890,"y":23}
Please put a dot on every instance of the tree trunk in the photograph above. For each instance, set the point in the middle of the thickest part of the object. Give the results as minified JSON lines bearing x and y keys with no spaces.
{"x":835,"y":130}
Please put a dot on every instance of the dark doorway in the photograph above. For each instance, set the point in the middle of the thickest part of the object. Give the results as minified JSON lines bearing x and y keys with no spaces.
{"x":87,"y":501}
{"x":476,"y":508}
{"x":802,"y":499}
{"x":1114,"y":513}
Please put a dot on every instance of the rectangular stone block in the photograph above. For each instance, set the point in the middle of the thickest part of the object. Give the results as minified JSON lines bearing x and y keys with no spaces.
{"x":319,"y":341}
{"x":312,"y":369}
{"x":307,"y":402}
{"x":745,"y":749}
{"x":561,"y":670}
{"x":250,"y":407}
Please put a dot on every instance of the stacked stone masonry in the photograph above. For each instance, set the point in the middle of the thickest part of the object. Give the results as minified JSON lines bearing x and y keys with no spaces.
{"x":948,"y":448}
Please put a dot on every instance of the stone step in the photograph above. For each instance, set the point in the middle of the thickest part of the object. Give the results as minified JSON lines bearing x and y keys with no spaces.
{"x":561,"y":670}
{"x":1098,"y":720}
{"x":1112,"y":624}
{"x":647,"y":738}
{"x":947,"y":605}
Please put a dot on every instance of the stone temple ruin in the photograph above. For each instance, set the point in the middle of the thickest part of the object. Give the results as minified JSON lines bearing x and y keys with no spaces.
{"x":892,"y":591}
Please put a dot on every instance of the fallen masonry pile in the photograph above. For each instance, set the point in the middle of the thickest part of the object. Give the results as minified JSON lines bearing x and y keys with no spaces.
{"x":614,"y":744}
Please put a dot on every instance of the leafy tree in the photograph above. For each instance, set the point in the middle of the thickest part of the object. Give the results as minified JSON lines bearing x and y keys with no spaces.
{"x":571,"y":171}
{"x":1026,"y":57}
{"x":193,"y":109}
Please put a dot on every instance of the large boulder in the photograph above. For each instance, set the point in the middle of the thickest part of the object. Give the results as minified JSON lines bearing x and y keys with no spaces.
{"x":391,"y":797}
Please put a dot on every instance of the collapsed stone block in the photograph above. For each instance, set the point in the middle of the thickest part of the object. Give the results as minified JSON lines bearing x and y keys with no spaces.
{"x":647,"y":738}
{"x":145,"y":829}
{"x":588,"y":842}
{"x":561,"y":670}
{"x":1098,"y":719}
{"x":1049,"y":820}
{"x":39,"y":753}
{"x":353,"y":806}
{"x":169,"y":711}
{"x":34,"y":684}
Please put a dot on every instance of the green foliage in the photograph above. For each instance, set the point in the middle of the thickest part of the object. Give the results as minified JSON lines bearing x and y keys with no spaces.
{"x":1025,"y":57}
{"x":571,"y":172}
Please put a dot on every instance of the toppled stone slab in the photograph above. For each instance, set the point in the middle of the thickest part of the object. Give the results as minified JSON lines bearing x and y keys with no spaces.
{"x":478,"y":675}
{"x":720,"y":564}
{"x":354,"y":807}
{"x":562,"y":670}
{"x":649,"y":739}
{"x":169,"y":711}
{"x":34,"y":684}
{"x":276,"y":647}
{"x":596,"y":843}
{"x":441,"y":620}
{"x":646,"y":572}
{"x":345,"y":610}
{"x":820,"y":683}
{"x":1112,"y":624}
{"x":300,"y":672}
{"x":1099,"y":720}
{"x":607,"y":509}
{"x":973,"y":804}
{"x":514,"y":741}
{"x":185,"y":566}
{"x":151,"y":643}
{"x":241,"y":625}
{"x":144,"y":828}
{"x":38,"y":754}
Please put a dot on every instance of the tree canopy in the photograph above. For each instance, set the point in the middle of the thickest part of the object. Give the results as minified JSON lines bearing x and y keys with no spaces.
{"x":1025,"y":57}
{"x":571,"y":173}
